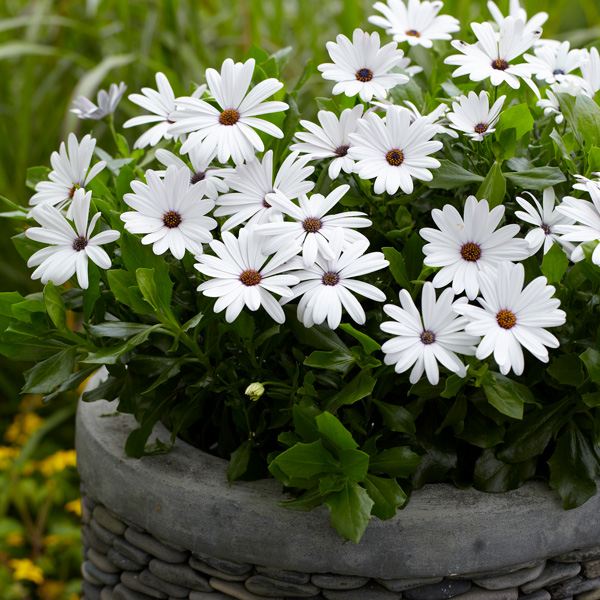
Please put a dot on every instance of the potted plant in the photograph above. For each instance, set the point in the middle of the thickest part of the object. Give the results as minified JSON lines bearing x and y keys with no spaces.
{"x":402,"y":291}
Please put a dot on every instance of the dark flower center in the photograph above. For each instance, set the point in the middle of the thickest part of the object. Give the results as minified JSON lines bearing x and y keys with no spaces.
{"x":545,"y":228}
{"x":364,"y":75}
{"x":331,"y":278}
{"x":558,"y":72}
{"x":229,"y":117}
{"x":481,"y":128}
{"x":312,"y":225}
{"x":341,"y":150}
{"x":413,"y":33}
{"x":196,"y":177}
{"x":470,"y":252}
{"x":264,"y":202}
{"x":172,"y":219}
{"x":395,"y":158}
{"x":79,"y":243}
{"x":72,"y":191}
{"x":428,"y":337}
{"x":250,"y":277}
{"x":506,"y":319}
{"x":499,"y":64}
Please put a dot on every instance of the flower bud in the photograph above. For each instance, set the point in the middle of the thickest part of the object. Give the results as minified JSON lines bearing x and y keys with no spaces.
{"x":255,"y":391}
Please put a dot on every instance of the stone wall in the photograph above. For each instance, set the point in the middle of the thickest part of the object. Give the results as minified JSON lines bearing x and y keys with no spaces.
{"x":124,"y":562}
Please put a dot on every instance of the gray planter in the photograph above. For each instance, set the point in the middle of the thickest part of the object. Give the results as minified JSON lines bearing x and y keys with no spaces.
{"x":169,"y":526}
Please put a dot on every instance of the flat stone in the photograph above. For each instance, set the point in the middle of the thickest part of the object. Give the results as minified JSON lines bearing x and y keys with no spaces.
{"x":179,"y":574}
{"x":591,"y":569}
{"x":553,"y":573}
{"x":225,"y":566}
{"x":132,"y":552}
{"x":87,"y":535}
{"x":591,"y":595}
{"x":107,"y":593}
{"x":122,"y":562}
{"x":90,"y":591}
{"x":371,"y":591}
{"x":399,"y":585}
{"x":448,"y":588}
{"x":124,"y":593}
{"x":85,"y":571}
{"x":579,"y":555}
{"x":539,"y":595}
{"x":102,"y":562}
{"x":102,"y":576}
{"x":102,"y":534}
{"x":235,"y":589}
{"x":283,"y":575}
{"x":496,"y":572}
{"x":570,"y":587}
{"x":513,"y":579}
{"x":478,"y":593}
{"x":153,"y":546}
{"x":212,"y":595}
{"x":330,"y":581}
{"x":86,"y":514}
{"x":171,"y":589}
{"x":132,"y":581}
{"x":267,"y":586}
{"x":201,"y":566}
{"x":108,"y":521}
{"x":89,"y":502}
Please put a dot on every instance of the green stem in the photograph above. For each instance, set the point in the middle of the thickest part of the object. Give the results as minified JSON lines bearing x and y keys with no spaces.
{"x":111,"y":126}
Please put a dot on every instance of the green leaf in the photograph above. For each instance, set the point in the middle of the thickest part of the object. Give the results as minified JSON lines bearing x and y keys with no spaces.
{"x":396,"y":418}
{"x":239,"y":461}
{"x":354,"y":463}
{"x":455,"y":417}
{"x":92,"y":293}
{"x":591,"y":360}
{"x":360,"y":387}
{"x":350,"y":511}
{"x":23,"y":310}
{"x":493,"y":475}
{"x":554,"y":264}
{"x":536,"y":179}
{"x":588,"y":119}
{"x":305,"y":460}
{"x":567,"y":369}
{"x":135,"y":445}
{"x":397,"y":267}
{"x":304,"y":422}
{"x":117,"y":329}
{"x":573,"y":467}
{"x":50,"y":373}
{"x":123,"y":183}
{"x":320,"y":337}
{"x":306,"y":502}
{"x":331,"y":428}
{"x":55,"y":307}
{"x":111,"y":354}
{"x":150,"y":292}
{"x":450,"y":176}
{"x":386,"y":494}
{"x":506,"y":146}
{"x":309,"y":69}
{"x":71,"y":383}
{"x":369,"y":344}
{"x":567,"y":107}
{"x":26,"y":247}
{"x":396,"y":462}
{"x":7,"y":301}
{"x":332,"y":483}
{"x":494,"y":187}
{"x":508,"y":396}
{"x":335,"y":360}
{"x":517,"y":117}
{"x":454,"y":384}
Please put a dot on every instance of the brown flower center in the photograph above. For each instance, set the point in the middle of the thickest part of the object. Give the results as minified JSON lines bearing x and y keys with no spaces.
{"x":72,"y":191}
{"x":546,"y":229}
{"x":331,"y":278}
{"x":229,"y":117}
{"x":506,"y":319}
{"x":395,"y":157}
{"x":172,"y":219}
{"x":312,"y":225}
{"x":79,"y":243}
{"x":341,"y":150}
{"x":250,"y":277}
{"x":481,"y":128}
{"x":499,"y":64}
{"x":364,"y":75}
{"x":196,"y":177}
{"x":428,"y":337}
{"x":413,"y":33}
{"x":470,"y":252}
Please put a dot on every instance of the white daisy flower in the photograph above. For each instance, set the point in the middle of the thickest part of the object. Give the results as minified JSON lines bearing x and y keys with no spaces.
{"x":547,"y":221}
{"x":239,"y":276}
{"x":473,"y":115}
{"x":554,"y":64}
{"x":516,"y":12}
{"x":587,"y":215}
{"x":591,"y":71}
{"x":327,"y":285}
{"x":404,"y":65}
{"x":170,"y":211}
{"x":208,"y":179}
{"x":423,"y":341}
{"x":70,"y":248}
{"x":585,"y":184}
{"x":107,"y":103}
{"x":312,"y":228}
{"x":71,"y":170}
{"x":492,"y":55}
{"x":462,"y":247}
{"x":551,"y":106}
{"x":436,"y":117}
{"x":512,"y":317}
{"x":229,"y":128}
{"x":253,"y":181}
{"x":362,"y":67}
{"x":331,"y":139}
{"x":418,"y":23}
{"x":395,"y":150}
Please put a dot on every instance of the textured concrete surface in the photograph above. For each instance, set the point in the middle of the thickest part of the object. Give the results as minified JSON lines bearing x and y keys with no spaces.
{"x":183,"y":497}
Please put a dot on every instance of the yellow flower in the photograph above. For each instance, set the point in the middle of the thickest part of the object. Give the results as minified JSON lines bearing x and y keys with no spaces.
{"x":25,"y":569}
{"x":7,"y":455}
{"x":52,"y":590}
{"x":74,"y":506}
{"x":21,"y":429}
{"x":14,"y":538}
{"x":57,"y":462}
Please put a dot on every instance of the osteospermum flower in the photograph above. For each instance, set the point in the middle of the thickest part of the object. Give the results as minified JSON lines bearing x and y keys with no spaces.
{"x":230,"y":127}
{"x":170,"y":211}
{"x":405,"y":65}
{"x":71,"y":170}
{"x":516,"y":12}
{"x":473,"y":115}
{"x":328,"y":285}
{"x":423,"y":341}
{"x":512,"y":317}
{"x":394,"y":151}
{"x":208,"y":179}
{"x":362,"y":67}
{"x":239,"y":276}
{"x":436,"y":117}
{"x":253,"y":181}
{"x":551,"y":106}
{"x":462,"y":247}
{"x":107,"y":103}
{"x":547,"y":221}
{"x":492,"y":56}
{"x":70,"y":248}
{"x":591,"y":71}
{"x":418,"y":23}
{"x":312,"y":228}
{"x":554,"y":64}
{"x":331,"y":139}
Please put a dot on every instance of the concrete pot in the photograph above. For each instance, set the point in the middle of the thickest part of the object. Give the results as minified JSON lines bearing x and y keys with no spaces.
{"x":171,"y":525}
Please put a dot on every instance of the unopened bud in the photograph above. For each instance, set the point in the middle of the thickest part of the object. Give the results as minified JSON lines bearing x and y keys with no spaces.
{"x":255,"y":391}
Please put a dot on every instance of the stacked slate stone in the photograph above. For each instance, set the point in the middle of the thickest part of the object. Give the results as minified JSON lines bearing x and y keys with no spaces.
{"x":123,"y":562}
